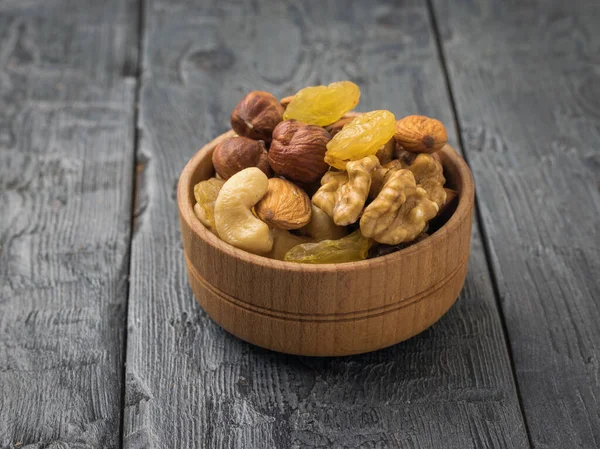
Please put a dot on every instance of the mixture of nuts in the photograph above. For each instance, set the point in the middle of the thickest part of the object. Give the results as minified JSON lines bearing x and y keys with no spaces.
{"x":303,"y":182}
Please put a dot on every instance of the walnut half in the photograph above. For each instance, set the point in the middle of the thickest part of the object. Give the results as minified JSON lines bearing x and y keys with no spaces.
{"x":400,"y":212}
{"x":429,"y":174}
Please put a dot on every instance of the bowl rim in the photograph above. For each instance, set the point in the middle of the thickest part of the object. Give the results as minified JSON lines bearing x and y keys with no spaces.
{"x":186,"y":211}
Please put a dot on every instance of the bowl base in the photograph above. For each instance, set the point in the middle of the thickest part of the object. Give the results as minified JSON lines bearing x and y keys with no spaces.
{"x":328,"y":334}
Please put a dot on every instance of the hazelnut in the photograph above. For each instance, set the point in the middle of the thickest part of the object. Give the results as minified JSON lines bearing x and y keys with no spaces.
{"x":420,"y":134}
{"x":237,"y":153}
{"x":284,"y":206}
{"x":298,"y":151}
{"x":286,"y":100}
{"x":257,"y":115}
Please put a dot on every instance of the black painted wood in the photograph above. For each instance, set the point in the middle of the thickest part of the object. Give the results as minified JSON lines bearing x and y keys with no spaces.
{"x":190,"y":384}
{"x":66,"y":152}
{"x":526,"y":80}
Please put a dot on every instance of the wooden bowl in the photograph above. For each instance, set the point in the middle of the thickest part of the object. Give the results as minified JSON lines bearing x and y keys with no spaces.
{"x":333,"y":309}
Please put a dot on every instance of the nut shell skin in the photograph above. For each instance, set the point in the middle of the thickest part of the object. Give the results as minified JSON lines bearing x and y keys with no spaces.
{"x":237,"y":153}
{"x":256,"y":115}
{"x":298,"y":151}
{"x":420,"y":134}
{"x":284,"y":206}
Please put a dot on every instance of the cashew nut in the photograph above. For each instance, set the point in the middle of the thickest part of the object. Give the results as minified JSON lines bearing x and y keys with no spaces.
{"x":234,"y":220}
{"x":321,"y":227}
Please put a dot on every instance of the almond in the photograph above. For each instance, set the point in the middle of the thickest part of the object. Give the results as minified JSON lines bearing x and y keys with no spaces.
{"x":420,"y":134}
{"x":284,"y":206}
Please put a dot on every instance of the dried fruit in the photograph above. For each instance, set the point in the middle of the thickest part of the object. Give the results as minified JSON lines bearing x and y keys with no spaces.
{"x":383,"y":250}
{"x":429,"y":174}
{"x":323,"y":105}
{"x":256,"y":115}
{"x":237,"y":153}
{"x":351,"y":248}
{"x":205,"y":193}
{"x":283,"y":241}
{"x":364,"y":136}
{"x":297,"y":151}
{"x":400,"y":212}
{"x":336,"y":127}
{"x":234,"y":220}
{"x":420,"y":134}
{"x":284,"y":206}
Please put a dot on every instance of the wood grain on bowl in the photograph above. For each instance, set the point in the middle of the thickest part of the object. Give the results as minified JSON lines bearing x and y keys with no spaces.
{"x":326,"y":310}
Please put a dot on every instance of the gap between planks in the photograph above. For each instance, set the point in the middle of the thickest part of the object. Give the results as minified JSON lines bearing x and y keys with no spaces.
{"x":135,"y":193}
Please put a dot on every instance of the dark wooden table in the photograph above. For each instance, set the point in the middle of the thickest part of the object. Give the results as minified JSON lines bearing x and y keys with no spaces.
{"x":101,"y":342}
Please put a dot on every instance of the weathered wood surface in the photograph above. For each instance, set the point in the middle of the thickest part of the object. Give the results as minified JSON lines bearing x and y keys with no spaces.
{"x":526,"y":80}
{"x":190,"y":384}
{"x":66,"y":152}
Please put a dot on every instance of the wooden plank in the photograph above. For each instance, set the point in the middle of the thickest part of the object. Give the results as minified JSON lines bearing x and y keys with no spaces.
{"x":190,"y":384}
{"x":526,"y":82}
{"x":66,"y":155}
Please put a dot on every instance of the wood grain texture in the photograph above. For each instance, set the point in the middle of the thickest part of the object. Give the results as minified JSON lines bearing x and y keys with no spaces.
{"x":526,"y":80}
{"x":326,"y":310}
{"x":66,"y":152}
{"x":189,"y":383}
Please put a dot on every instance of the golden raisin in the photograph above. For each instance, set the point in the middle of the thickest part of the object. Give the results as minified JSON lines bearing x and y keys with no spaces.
{"x":351,"y":248}
{"x":364,"y":136}
{"x":323,"y":105}
{"x":206,"y":193}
